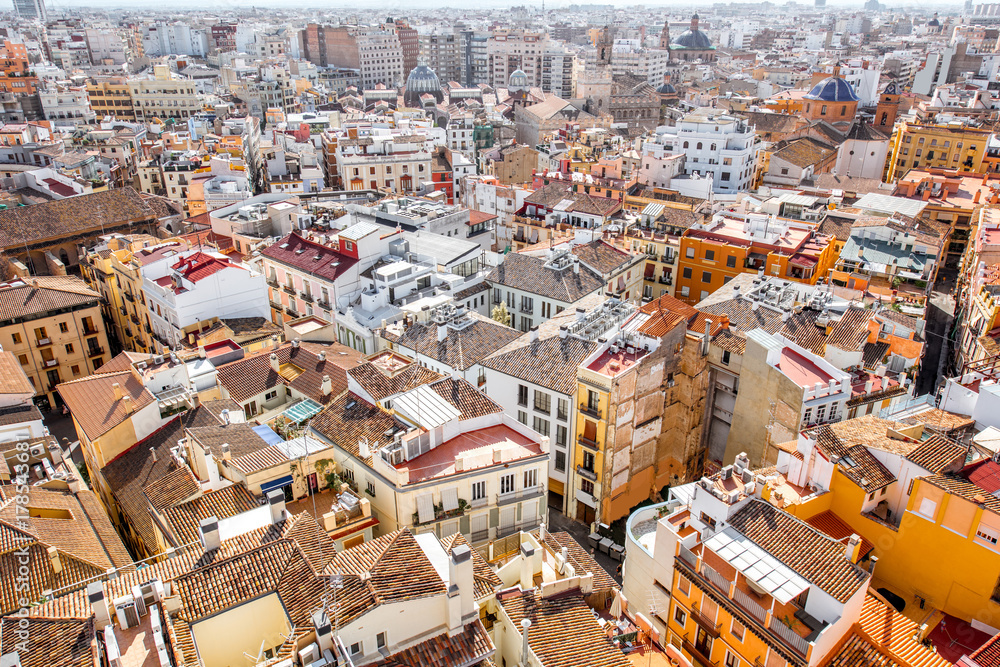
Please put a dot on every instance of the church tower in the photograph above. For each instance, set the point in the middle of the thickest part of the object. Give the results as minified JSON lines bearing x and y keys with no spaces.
{"x":595,"y":86}
{"x":887,"y":109}
{"x":665,"y":35}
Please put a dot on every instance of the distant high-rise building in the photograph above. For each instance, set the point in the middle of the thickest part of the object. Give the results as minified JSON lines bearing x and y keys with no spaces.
{"x":820,"y":4}
{"x":30,"y":9}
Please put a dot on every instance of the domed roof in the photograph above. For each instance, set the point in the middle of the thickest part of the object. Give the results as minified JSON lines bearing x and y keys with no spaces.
{"x":422,"y":80}
{"x":518,"y":79}
{"x":666,"y":89}
{"x":832,"y":89}
{"x":693,"y":39}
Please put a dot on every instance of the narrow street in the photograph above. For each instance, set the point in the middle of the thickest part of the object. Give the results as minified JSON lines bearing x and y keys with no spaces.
{"x":558,"y":522}
{"x":939,"y":318}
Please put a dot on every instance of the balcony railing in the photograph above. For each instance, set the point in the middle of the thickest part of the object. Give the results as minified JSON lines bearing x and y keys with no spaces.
{"x":522,"y":494}
{"x":704,"y":621}
{"x":95,"y":351}
{"x":306,"y":296}
{"x":43,"y":342}
{"x":527,"y":310}
{"x":479,"y":502}
{"x":688,"y":556}
{"x":276,"y":304}
{"x":698,"y":653}
{"x":587,"y":442}
{"x":50,"y":363}
{"x":666,"y":280}
{"x":588,"y":410}
{"x":89,"y":331}
{"x":129,"y":296}
{"x":749,"y":605}
{"x":480,"y":535}
{"x":788,"y":635}
{"x":273,"y":282}
{"x":586,"y":473}
{"x":289,"y":289}
{"x":324,"y":304}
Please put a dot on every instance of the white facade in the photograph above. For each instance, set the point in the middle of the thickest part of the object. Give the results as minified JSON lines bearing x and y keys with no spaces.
{"x":717,"y":146}
{"x":861,"y":159}
{"x":165,"y":39}
{"x":380,"y":58}
{"x":106,"y":47}
{"x":66,"y":106}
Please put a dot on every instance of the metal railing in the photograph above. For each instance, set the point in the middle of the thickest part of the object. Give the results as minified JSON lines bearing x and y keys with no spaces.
{"x":587,"y":410}
{"x":688,"y":556}
{"x":586,"y":473}
{"x":95,"y":351}
{"x":749,"y":605}
{"x":587,"y":442}
{"x":715,"y":578}
{"x":42,"y":342}
{"x":521,"y":494}
{"x":787,"y":635}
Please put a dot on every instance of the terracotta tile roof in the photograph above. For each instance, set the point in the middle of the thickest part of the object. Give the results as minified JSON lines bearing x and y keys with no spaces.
{"x":988,"y":655}
{"x":603,"y":257}
{"x":122,"y":362}
{"x":462,"y":348}
{"x":199,"y":265}
{"x":379,"y":385}
{"x":396,"y":566}
{"x":92,"y":400}
{"x":18,"y":414}
{"x":350,"y":418}
{"x":564,"y":632}
{"x":70,"y":217}
{"x":873,"y":354}
{"x":130,"y":473}
{"x":939,"y":420}
{"x":549,"y":362}
{"x":465,"y":398}
{"x":184,"y":519}
{"x":938,"y":454}
{"x":895,"y":636}
{"x":867,"y":430}
{"x":851,"y":330}
{"x":530,"y":274}
{"x":317,"y":260}
{"x":12,"y":378}
{"x":965,"y":489}
{"x":812,"y":555}
{"x":664,"y":314}
{"x":800,"y":327}
{"x":174,"y":487}
{"x":829,"y":523}
{"x":209,"y":413}
{"x":243,"y":441}
{"x":485,"y":578}
{"x":67,"y":642}
{"x":76,"y":526}
{"x":253,"y":375}
{"x":804,"y":152}
{"x":467,"y":648}
{"x":43,"y":294}
{"x":837,"y":227}
{"x":580,"y":558}
{"x":471,"y":291}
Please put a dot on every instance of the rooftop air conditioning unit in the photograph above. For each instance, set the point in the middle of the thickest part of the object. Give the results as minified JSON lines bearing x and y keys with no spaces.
{"x":127,"y":612}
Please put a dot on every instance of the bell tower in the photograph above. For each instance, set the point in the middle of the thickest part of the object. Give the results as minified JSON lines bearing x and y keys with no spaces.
{"x":887,"y":109}
{"x":665,"y":35}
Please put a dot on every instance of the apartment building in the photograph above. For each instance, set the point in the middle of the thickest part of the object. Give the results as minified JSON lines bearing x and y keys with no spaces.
{"x":723,"y":148}
{"x":459,"y":466}
{"x":917,"y":145}
{"x":111,"y":97}
{"x":393,"y":162}
{"x":442,"y":51}
{"x":546,"y":64}
{"x":713,"y":253}
{"x":53,"y":325}
{"x":164,"y":95}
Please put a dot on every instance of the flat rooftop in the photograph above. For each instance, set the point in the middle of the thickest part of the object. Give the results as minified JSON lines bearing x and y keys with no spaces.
{"x":802,"y":370}
{"x":475,"y":449}
{"x":612,"y":364}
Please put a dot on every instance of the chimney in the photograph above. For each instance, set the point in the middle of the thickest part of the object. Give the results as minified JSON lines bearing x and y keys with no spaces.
{"x":868,"y":386}
{"x":708,"y":337}
{"x":54,"y":560}
{"x":853,"y":550}
{"x":527,"y":567}
{"x":327,"y":385}
{"x":563,"y":331}
{"x":152,"y":453}
{"x":581,"y":314}
{"x":927,"y":194}
{"x":127,"y":402}
{"x":324,"y":631}
{"x":276,"y":501}
{"x":226,"y":452}
{"x":497,"y":455}
{"x":975,"y":198}
{"x":274,"y":362}
{"x":533,"y":334}
{"x":209,"y":531}
{"x":461,"y":591}
{"x":525,"y":624}
{"x":442,"y":332}
{"x":576,"y":265}
{"x":98,"y":604}
{"x":117,"y":389}
{"x":322,"y":355}
{"x":541,"y":531}
{"x":274,"y":341}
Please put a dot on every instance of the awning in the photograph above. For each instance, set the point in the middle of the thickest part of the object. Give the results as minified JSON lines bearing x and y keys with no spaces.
{"x":425,"y":508}
{"x":449,"y":498}
{"x":267,"y":435}
{"x":275,"y":484}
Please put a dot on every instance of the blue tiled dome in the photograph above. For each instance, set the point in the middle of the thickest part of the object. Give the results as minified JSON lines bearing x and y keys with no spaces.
{"x":833,"y":89}
{"x":666,"y":89}
{"x":693,"y":39}
{"x":422,"y":80}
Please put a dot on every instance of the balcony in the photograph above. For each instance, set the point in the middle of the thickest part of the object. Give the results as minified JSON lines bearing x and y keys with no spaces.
{"x":666,"y":280}
{"x":135,"y":319}
{"x":711,"y":626}
{"x":276,"y":305}
{"x":95,"y":351}
{"x":590,"y":411}
{"x":43,"y":342}
{"x":129,"y":296}
{"x":307,"y":297}
{"x":291,"y":310}
{"x":698,"y":654}
{"x":527,"y":310}
{"x":289,"y":289}
{"x":324,"y":304}
{"x":522,"y":494}
{"x":588,"y":443}
{"x":480,"y":535}
{"x":52,"y":385}
{"x":667,"y":259}
{"x":89,"y":331}
{"x":50,"y":363}
{"x":273,"y":282}
{"x":586,"y":473}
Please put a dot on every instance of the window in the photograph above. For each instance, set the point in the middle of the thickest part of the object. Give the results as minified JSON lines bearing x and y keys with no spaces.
{"x":732,"y":660}
{"x":588,"y":461}
{"x":380,"y":640}
{"x":726,"y":356}
{"x":927,"y":508}
{"x":731,"y":261}
{"x":370,"y":488}
{"x":560,"y":461}
{"x":75,"y":369}
{"x":63,"y":328}
{"x":348,"y":474}
{"x":833,"y":412}
{"x":725,"y":176}
{"x":531,"y":478}
{"x":987,"y":535}
{"x":478,"y":490}
{"x":680,"y":616}
{"x":686,"y":272}
{"x":543,"y":402}
{"x":522,"y":416}
{"x":16,"y":337}
{"x":823,"y":110}
{"x":820,"y":413}
{"x":871,"y":496}
{"x":23,"y":358}
{"x":683,"y":585}
{"x":689,"y":253}
{"x":562,"y":412}
{"x":271,"y":394}
{"x":587,"y":486}
{"x":561,"y":435}
{"x":541,"y":425}
{"x":507,"y":483}
{"x":710,"y":255}
{"x":737,"y":630}
{"x":522,"y":395}
{"x":356,"y":648}
{"x":807,"y":417}
{"x":706,"y":276}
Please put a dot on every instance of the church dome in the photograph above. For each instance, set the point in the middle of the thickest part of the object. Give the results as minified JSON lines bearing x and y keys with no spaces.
{"x":518,"y":80}
{"x":693,"y":39}
{"x":833,"y":89}
{"x":422,"y":80}
{"x":666,"y":89}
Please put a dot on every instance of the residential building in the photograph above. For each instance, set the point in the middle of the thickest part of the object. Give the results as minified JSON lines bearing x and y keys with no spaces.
{"x":917,"y":145}
{"x":111,"y":97}
{"x":31,"y":10}
{"x":546,"y":64}
{"x":394,"y":162}
{"x":459,"y":466}
{"x":53,"y":325}
{"x":165,"y":95}
{"x":534,"y":122}
{"x":712,"y":253}
{"x":717,"y":146}
{"x":893,"y":251}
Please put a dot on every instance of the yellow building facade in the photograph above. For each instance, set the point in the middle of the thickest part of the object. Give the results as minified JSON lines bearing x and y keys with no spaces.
{"x":924,"y":146}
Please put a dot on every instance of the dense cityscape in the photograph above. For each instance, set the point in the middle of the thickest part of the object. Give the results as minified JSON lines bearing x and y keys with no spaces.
{"x":500,"y":336}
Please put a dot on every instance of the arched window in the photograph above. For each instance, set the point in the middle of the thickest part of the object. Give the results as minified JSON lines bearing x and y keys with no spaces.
{"x":685,"y":144}
{"x":713,"y":147}
{"x":699,"y":145}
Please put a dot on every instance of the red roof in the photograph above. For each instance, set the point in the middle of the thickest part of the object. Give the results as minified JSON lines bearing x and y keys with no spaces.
{"x":59,"y":187}
{"x":476,"y":217}
{"x":316,"y":259}
{"x":985,"y":475}
{"x":199,"y":266}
